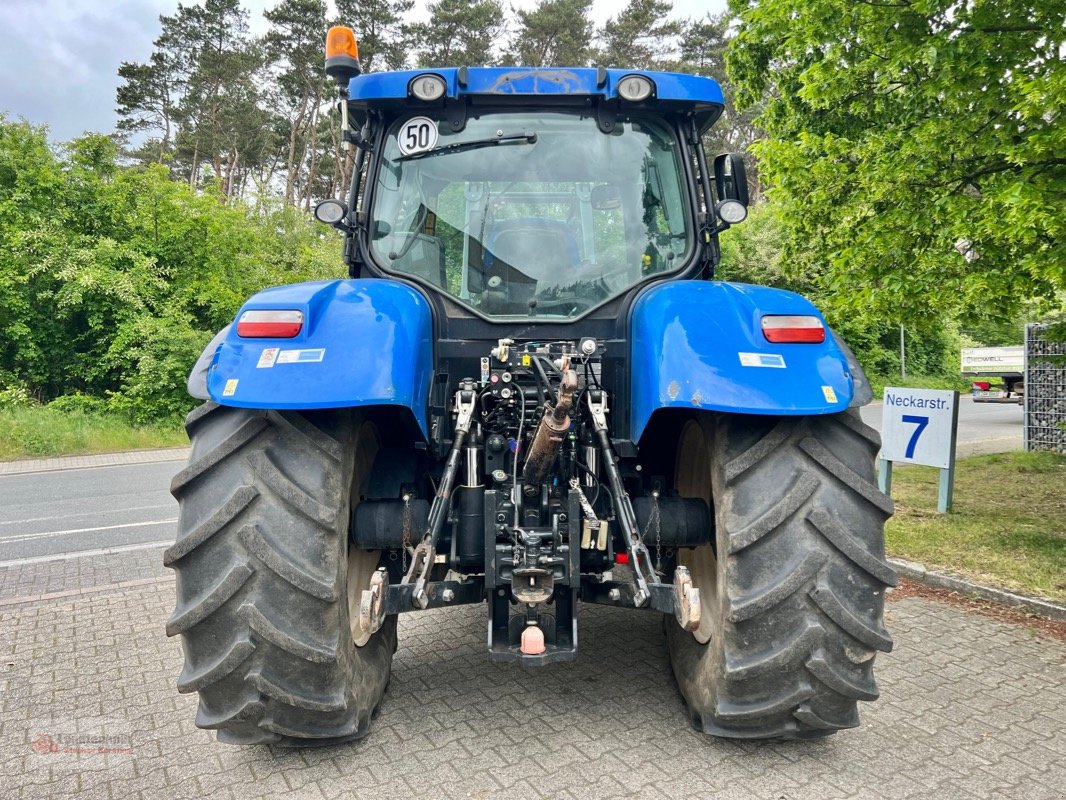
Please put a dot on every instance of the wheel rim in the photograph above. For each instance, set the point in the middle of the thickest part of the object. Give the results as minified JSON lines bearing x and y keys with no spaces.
{"x":693,"y":479}
{"x":361,"y":563}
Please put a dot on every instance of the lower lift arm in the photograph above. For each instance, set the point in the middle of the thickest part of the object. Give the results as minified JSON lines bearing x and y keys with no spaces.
{"x":681,"y":598}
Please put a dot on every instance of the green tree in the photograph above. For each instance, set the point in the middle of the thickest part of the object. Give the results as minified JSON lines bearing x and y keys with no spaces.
{"x":557,"y":33}
{"x":702,"y":51}
{"x":915,"y":148}
{"x":146,"y":100}
{"x":642,"y":36}
{"x":459,"y":33}
{"x":114,"y":278}
{"x":383,"y":33}
{"x":703,"y":44}
{"x":293,"y":46}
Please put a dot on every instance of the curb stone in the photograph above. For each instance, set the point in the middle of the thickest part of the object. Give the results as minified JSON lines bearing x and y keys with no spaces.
{"x":942,"y":580}
{"x":88,"y":461}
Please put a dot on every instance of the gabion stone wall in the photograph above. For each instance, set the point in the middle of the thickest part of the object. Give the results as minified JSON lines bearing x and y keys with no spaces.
{"x":1045,"y":391}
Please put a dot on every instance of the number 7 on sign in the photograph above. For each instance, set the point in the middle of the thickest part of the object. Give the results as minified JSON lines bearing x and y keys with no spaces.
{"x":922,"y":423}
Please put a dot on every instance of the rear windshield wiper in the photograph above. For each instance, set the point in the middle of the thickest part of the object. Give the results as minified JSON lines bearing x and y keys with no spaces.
{"x":524,"y":137}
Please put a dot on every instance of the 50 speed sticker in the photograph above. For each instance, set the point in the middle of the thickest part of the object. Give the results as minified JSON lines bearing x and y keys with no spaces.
{"x":417,"y":135}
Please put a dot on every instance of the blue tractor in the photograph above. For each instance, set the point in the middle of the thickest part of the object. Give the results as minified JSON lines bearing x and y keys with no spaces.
{"x":529,"y":393}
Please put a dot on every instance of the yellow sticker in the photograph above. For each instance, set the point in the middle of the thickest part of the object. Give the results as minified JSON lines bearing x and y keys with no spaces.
{"x":526,"y":360}
{"x":231,"y":388}
{"x":830,"y":395}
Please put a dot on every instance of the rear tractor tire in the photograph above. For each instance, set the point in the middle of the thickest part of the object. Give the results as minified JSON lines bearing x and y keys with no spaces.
{"x":792,"y":593}
{"x":266,"y":576}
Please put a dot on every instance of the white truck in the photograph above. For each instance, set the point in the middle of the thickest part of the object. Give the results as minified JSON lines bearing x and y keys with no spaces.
{"x":998,"y":373}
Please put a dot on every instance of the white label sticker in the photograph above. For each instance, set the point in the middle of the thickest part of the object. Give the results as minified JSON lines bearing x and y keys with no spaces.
{"x":417,"y":135}
{"x":762,"y":360}
{"x":267,"y":358}
{"x":231,"y":388}
{"x":301,"y":356}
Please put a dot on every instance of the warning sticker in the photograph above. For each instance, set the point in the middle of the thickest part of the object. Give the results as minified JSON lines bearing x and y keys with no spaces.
{"x":231,"y":388}
{"x":762,"y":360}
{"x":268,"y":357}
{"x":830,"y":395}
{"x":301,"y":356}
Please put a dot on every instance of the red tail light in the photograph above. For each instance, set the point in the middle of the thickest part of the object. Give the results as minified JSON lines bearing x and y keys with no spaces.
{"x":270,"y":324}
{"x":982,"y":386}
{"x":791,"y":329}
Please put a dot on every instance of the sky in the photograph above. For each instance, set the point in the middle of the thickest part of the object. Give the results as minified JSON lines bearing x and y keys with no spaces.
{"x":59,"y":60}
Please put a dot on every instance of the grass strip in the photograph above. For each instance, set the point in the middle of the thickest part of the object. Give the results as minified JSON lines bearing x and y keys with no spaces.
{"x":1007,"y":528}
{"x":40,"y":432}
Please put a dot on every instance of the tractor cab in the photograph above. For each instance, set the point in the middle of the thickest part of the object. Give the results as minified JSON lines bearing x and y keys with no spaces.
{"x":532,"y":194}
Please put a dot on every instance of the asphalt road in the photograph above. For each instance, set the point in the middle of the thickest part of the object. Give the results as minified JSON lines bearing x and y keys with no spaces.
{"x":78,"y":512}
{"x":50,"y":513}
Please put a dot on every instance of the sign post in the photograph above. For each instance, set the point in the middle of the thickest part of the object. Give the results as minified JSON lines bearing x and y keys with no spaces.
{"x":920,"y":426}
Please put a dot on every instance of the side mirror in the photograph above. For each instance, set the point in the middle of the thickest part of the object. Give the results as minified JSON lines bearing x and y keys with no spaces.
{"x":730,"y":178}
{"x":333,"y":213}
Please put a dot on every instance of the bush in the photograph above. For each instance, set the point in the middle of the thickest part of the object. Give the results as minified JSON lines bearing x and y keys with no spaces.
{"x":114,"y":279}
{"x":16,"y":397}
{"x":78,"y":403}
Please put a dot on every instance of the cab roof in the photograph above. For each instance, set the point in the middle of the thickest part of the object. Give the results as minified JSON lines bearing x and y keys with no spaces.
{"x":702,"y":97}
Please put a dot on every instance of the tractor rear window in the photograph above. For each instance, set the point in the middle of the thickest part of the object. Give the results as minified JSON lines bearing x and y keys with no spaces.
{"x":531,"y":214}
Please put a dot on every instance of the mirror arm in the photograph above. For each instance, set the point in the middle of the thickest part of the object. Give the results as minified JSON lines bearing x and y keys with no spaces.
{"x":352,"y":224}
{"x":709,"y":224}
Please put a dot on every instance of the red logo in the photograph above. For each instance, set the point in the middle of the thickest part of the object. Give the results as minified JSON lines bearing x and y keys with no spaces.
{"x":44,"y":743}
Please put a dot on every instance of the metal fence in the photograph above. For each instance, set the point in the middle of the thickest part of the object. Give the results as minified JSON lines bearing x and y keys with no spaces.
{"x":1045,"y":391}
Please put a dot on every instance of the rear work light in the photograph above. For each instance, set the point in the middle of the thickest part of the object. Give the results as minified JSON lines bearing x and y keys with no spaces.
{"x":270,"y":324}
{"x":792,"y":329}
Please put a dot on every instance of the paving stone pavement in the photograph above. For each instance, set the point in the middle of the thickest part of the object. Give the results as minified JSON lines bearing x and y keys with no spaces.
{"x":970,"y":708}
{"x":24,"y":465}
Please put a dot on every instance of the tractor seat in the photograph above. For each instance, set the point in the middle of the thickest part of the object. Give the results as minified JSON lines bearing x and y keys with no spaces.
{"x":545,"y":250}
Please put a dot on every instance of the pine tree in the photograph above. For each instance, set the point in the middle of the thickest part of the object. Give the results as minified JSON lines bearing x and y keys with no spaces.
{"x":641,"y":37}
{"x":384,"y":36}
{"x":703,"y":45}
{"x":294,"y":48}
{"x":557,"y":33}
{"x":459,"y":33}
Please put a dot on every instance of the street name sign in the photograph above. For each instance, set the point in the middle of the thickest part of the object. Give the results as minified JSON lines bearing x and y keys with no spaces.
{"x":919,"y":426}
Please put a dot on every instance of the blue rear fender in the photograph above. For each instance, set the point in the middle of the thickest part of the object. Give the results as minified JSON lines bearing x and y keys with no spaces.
{"x":699,"y":344}
{"x":363,"y":343}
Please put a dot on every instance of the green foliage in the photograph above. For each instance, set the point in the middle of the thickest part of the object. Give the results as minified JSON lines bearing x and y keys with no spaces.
{"x":63,"y":429}
{"x":384,"y":36}
{"x":641,"y":36}
{"x":459,"y":32}
{"x":752,"y":252}
{"x":115,"y":279}
{"x":915,"y":148}
{"x":78,"y":403}
{"x":557,"y":33}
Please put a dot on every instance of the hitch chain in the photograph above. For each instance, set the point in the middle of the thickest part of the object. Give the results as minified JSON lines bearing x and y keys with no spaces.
{"x":655,"y":522}
{"x":406,"y":531}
